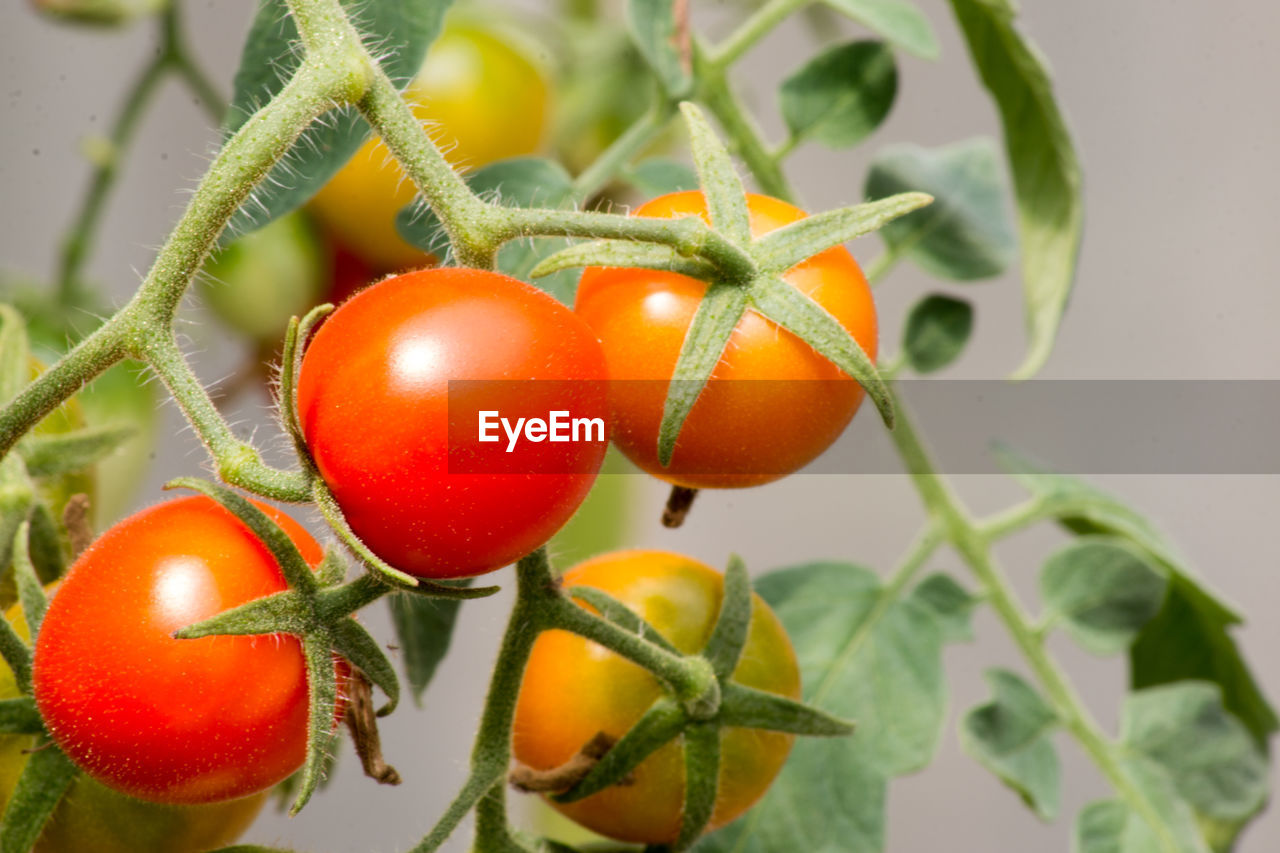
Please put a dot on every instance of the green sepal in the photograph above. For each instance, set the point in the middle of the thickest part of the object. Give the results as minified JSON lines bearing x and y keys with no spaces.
{"x":295,"y":569}
{"x":810,"y":322}
{"x":619,"y":614}
{"x":46,"y":777}
{"x":721,"y":186}
{"x":17,"y":655}
{"x":51,"y":455}
{"x":748,"y":708}
{"x":332,"y":569}
{"x":623,"y":253}
{"x":287,"y":612}
{"x":781,"y":249}
{"x":322,"y":684}
{"x":401,"y":580}
{"x":295,"y":339}
{"x":662,"y":723}
{"x":30,"y":590}
{"x":701,"y":781}
{"x":45,"y":544}
{"x":713,"y":323}
{"x":20,"y":717}
{"x":724,"y":646}
{"x":17,"y":493}
{"x":353,"y":642}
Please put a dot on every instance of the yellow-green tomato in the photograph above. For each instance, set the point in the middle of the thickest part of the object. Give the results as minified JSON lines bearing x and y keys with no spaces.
{"x":256,"y":283}
{"x":92,"y":818}
{"x":574,"y":689}
{"x":481,"y":96}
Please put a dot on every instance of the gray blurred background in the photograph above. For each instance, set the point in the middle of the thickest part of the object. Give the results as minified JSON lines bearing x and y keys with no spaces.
{"x":1178,"y":280}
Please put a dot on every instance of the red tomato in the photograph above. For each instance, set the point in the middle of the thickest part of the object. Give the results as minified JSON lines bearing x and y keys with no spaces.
{"x":407,"y":467}
{"x":161,"y":719}
{"x":773,"y":405}
{"x":574,"y":689}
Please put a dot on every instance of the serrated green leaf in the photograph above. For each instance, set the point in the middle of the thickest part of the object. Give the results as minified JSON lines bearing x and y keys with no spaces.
{"x":45,"y":778}
{"x":1046,"y":172}
{"x":937,"y":330}
{"x":654,"y":30}
{"x":397,"y":30}
{"x":809,"y":321}
{"x":424,"y":627}
{"x":897,"y":20}
{"x":1214,"y":762}
{"x":951,"y":605}
{"x":14,"y":353}
{"x":1103,"y":590}
{"x":659,"y":176}
{"x":65,"y":453}
{"x":841,"y":95}
{"x":966,"y":233}
{"x":1010,"y":736}
{"x":1190,"y":637}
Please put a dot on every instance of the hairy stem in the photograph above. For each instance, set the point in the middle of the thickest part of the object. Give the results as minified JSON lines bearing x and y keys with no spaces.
{"x":744,"y":136}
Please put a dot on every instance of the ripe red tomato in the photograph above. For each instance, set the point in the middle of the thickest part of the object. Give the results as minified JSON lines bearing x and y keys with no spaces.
{"x":574,"y":689}
{"x":161,"y":719}
{"x":773,"y":405}
{"x":93,"y":817}
{"x":400,"y":448}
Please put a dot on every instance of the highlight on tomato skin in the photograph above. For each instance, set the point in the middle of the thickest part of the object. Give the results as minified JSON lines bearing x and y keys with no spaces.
{"x":574,"y":689}
{"x":375,"y":392}
{"x":162,"y":719}
{"x":773,"y":404}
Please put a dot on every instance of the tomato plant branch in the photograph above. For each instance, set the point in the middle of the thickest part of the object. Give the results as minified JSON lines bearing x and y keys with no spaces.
{"x":761,"y":22}
{"x":945,"y":507}
{"x":184,"y":64}
{"x":745,"y":137}
{"x":623,"y":149}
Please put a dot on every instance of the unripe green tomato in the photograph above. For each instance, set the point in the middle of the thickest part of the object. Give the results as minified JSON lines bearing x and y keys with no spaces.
{"x":92,"y":817}
{"x":100,"y":13}
{"x":263,"y":278}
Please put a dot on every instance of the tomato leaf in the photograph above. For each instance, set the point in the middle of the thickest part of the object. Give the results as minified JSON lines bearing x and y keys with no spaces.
{"x":1104,"y":590}
{"x":1211,"y":758}
{"x":659,"y":176}
{"x":713,"y":323}
{"x":424,"y":627}
{"x":1010,"y":736}
{"x":875,"y":661}
{"x":1115,"y":826}
{"x":783,"y":248}
{"x":841,"y":95}
{"x":1190,"y":637}
{"x":51,"y":455}
{"x":1046,"y":171}
{"x":721,"y":184}
{"x":951,"y":605}
{"x":966,"y":233}
{"x":937,"y":330}
{"x":656,"y":34}
{"x":397,"y":30}
{"x":897,"y":20}
{"x":45,"y":778}
{"x":809,"y":321}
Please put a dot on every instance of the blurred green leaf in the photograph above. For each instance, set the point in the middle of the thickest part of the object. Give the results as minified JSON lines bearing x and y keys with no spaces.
{"x":654,"y":29}
{"x":897,"y":20}
{"x":1011,"y":737}
{"x":951,"y":605}
{"x":841,"y":95}
{"x":1104,"y":590}
{"x":937,"y":330}
{"x":400,"y":31}
{"x":1113,"y":826}
{"x":51,"y":455}
{"x":1046,"y":172}
{"x":659,"y":176}
{"x":424,"y":626}
{"x":966,"y":233}
{"x":14,"y":353}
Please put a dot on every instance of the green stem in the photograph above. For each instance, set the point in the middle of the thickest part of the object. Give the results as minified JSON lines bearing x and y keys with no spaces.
{"x":624,"y":148}
{"x":762,"y":22}
{"x":744,"y":135}
{"x":881,"y":266}
{"x":1014,"y":518}
{"x":965,"y":536}
{"x":183,"y":62}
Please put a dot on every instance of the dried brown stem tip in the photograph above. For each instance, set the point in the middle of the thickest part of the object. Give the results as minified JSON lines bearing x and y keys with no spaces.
{"x":362,"y":722}
{"x":678,"y":505}
{"x":560,"y":779}
{"x":75,"y":517}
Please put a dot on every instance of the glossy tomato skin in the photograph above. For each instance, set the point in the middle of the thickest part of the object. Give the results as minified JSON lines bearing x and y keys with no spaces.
{"x":773,"y":405}
{"x":374,"y":405}
{"x":161,"y":719}
{"x":574,"y":689}
{"x":92,"y":817}
{"x":482,"y":97}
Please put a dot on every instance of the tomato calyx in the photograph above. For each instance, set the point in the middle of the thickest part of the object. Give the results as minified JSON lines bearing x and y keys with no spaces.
{"x":700,"y":701}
